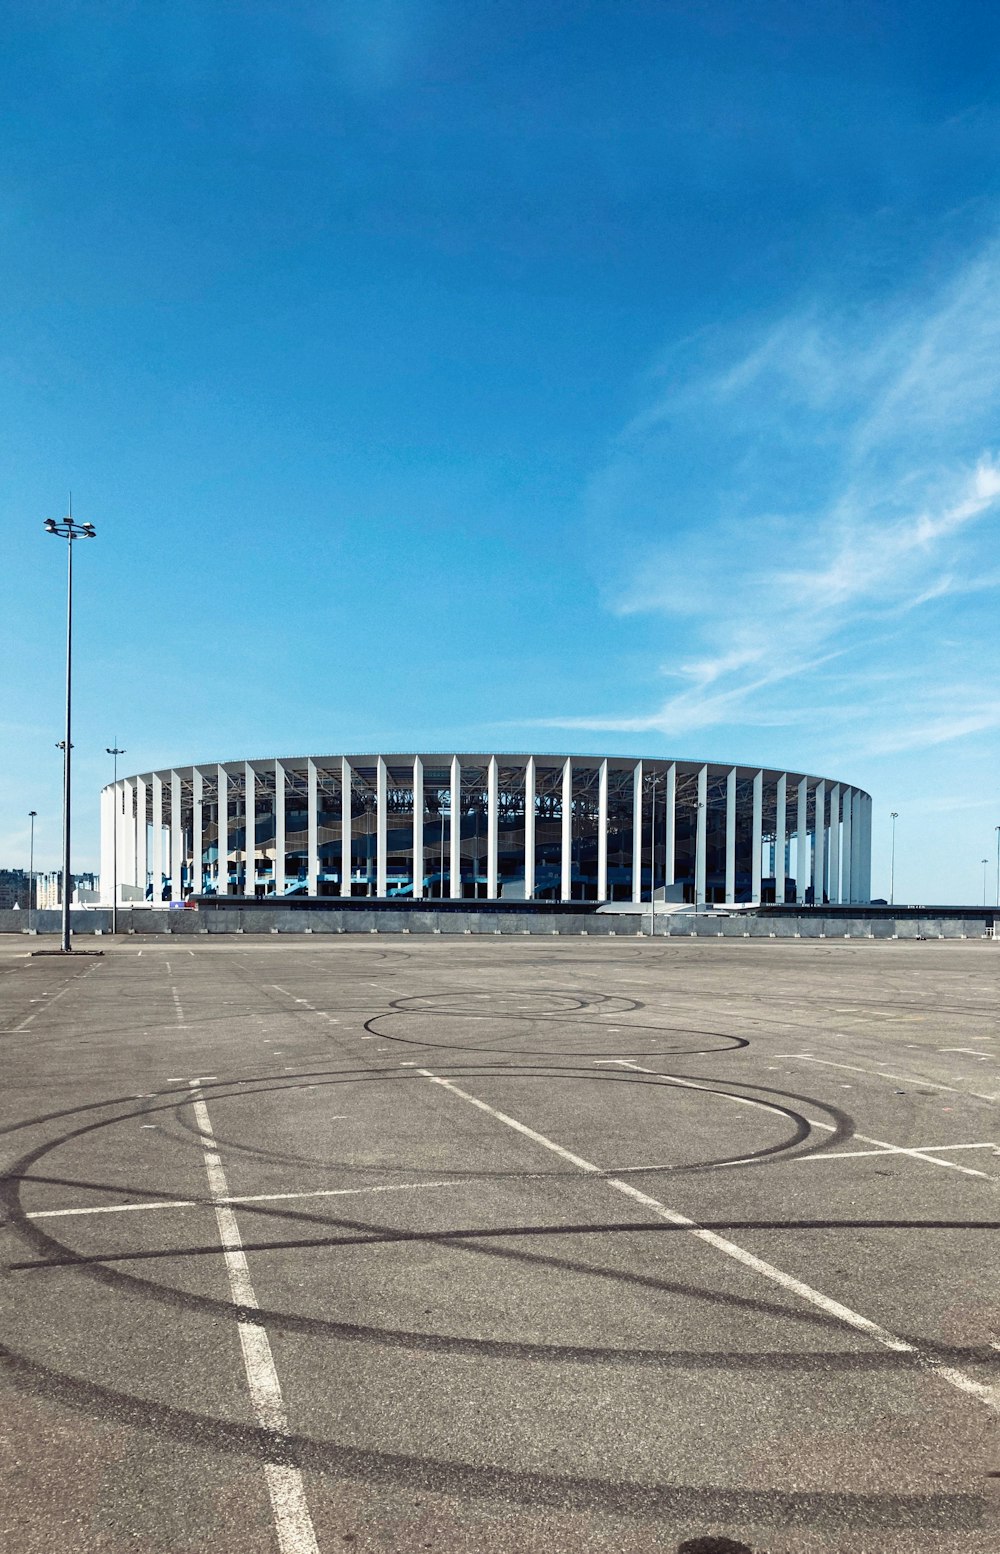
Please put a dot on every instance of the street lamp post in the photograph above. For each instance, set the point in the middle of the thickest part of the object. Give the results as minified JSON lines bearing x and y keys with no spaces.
{"x":894,"y":815}
{"x":652,"y":856}
{"x":69,"y":531}
{"x":986,"y":863}
{"x":31,"y":865}
{"x":116,"y":752}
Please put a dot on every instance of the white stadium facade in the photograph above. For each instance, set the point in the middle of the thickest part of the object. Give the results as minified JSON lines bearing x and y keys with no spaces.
{"x":554,"y":828}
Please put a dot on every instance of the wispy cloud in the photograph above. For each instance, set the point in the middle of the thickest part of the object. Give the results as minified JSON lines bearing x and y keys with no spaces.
{"x":826,"y":494}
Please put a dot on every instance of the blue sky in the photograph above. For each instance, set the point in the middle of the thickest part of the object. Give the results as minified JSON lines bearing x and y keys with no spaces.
{"x":613,"y":377}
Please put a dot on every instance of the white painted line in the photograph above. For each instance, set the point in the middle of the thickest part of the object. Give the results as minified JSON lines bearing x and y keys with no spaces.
{"x":882,"y":1147}
{"x":258,"y":1197}
{"x":833,"y":1308}
{"x":519,"y":1127}
{"x":292,"y":1521}
{"x":892,"y":1149}
{"x":44,"y":1010}
{"x":886,"y":1073}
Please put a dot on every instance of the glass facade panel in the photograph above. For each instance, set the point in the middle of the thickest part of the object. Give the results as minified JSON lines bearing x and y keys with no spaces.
{"x":621,"y":788}
{"x":510,"y":832}
{"x":744,"y":840}
{"x":260,"y":860}
{"x":364,"y":802}
{"x":686,"y":834}
{"x":399,"y":830}
{"x":715,"y":839}
{"x":328,"y":830}
{"x":583,"y":842}
{"x":296,"y":832}
{"x":437,"y":831}
{"x":472,"y":834}
{"x":548,"y":832}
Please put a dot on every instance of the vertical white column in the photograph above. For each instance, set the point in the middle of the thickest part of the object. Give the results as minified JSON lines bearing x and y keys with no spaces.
{"x":833,"y":866}
{"x":637,"y":833}
{"x":847,"y":848}
{"x":222,"y":847}
{"x":780,"y":838}
{"x":197,"y":830}
{"x":140,"y":868}
{"x":312,"y":831}
{"x":492,"y":806}
{"x":529,"y":829}
{"x":455,"y":860}
{"x":566,"y":850}
{"x":113,"y":828}
{"x":418,"y":828}
{"x":670,"y":824}
{"x":602,"y":831}
{"x":731,"y":836}
{"x":819,"y":836}
{"x":346,"y":790}
{"x":279,"y":831}
{"x":857,"y":847}
{"x":757,"y":842}
{"x":802,"y":842}
{"x":249,"y":830}
{"x":381,"y":828}
{"x":124,"y":818}
{"x":866,"y":847}
{"x":157,"y":838}
{"x":701,"y":838}
{"x":111,"y":803}
{"x":176,"y":840}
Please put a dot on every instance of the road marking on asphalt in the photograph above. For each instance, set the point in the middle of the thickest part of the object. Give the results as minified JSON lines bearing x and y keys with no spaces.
{"x":257,"y":1197}
{"x":882,"y":1146}
{"x":896,"y":1149}
{"x":51,"y":1000}
{"x":887,"y":1073}
{"x":292,"y":1521}
{"x":833,"y":1308}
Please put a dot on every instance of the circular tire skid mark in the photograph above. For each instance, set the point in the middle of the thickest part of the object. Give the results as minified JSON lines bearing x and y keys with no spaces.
{"x":553,"y":1006}
{"x":525,"y":1488}
{"x":689,"y":1085}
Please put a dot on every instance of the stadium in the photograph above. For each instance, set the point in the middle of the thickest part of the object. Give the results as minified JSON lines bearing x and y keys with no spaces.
{"x":555,"y":828}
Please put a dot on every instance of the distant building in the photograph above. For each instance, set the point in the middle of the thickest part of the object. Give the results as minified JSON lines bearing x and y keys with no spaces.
{"x":486,"y":826}
{"x":48,"y":889}
{"x":14,"y":888}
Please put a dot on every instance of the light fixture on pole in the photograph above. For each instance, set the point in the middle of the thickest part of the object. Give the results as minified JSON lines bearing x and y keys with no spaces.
{"x":986,"y":863}
{"x":652,"y":856}
{"x":116,"y":752}
{"x":69,"y":531}
{"x":894,"y":815}
{"x":31,"y":866}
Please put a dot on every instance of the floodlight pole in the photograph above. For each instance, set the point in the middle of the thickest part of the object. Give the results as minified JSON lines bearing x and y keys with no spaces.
{"x":116,"y":752}
{"x":652,"y":857}
{"x":894,"y":815}
{"x":985,"y":867}
{"x":31,"y":864}
{"x":68,"y":530}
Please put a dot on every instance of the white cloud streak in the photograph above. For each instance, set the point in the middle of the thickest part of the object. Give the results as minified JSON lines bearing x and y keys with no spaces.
{"x":828,"y":495}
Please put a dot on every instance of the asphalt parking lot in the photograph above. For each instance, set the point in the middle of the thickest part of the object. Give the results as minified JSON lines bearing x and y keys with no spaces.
{"x":392,"y":1244}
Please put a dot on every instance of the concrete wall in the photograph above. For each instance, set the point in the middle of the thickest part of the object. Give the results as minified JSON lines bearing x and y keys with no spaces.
{"x":413,"y":920}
